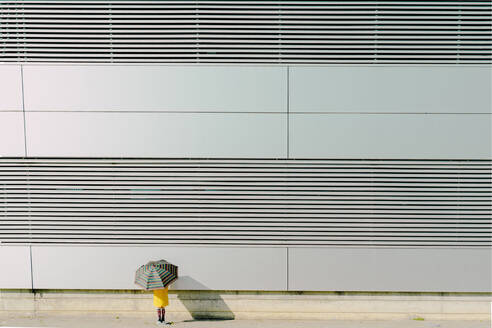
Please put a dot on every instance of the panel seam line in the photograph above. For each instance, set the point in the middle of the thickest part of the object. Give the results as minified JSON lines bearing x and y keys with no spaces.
{"x":23,"y":109}
{"x":32,"y":276}
{"x":287,"y":268}
{"x":288,"y":113}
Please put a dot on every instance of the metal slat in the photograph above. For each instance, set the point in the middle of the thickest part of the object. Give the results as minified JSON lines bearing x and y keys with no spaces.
{"x":246,"y":202}
{"x":273,"y":32}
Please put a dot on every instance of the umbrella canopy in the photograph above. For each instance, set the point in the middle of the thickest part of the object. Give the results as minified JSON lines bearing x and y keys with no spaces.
{"x":156,"y":275}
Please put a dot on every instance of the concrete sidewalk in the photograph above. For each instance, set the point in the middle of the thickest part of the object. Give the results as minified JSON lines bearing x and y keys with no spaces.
{"x":82,"y":321}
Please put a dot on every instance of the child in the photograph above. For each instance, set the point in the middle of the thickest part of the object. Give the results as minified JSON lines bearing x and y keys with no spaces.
{"x":161,"y":300}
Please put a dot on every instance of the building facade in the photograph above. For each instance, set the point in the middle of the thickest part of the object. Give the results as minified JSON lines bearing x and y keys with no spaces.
{"x":259,"y":145}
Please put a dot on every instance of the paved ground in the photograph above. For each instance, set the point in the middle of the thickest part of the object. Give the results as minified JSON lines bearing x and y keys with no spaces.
{"x":113,"y":322}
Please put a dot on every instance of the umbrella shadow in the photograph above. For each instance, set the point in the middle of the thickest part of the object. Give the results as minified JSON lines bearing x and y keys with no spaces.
{"x":202,"y":303}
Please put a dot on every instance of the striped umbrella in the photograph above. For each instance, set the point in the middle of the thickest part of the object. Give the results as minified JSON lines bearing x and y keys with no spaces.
{"x":156,"y":275}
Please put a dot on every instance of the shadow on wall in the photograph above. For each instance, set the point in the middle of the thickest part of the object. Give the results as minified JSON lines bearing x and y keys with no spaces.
{"x":201,"y":302}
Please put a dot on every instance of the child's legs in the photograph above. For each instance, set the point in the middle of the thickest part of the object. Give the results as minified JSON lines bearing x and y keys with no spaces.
{"x":160,"y":314}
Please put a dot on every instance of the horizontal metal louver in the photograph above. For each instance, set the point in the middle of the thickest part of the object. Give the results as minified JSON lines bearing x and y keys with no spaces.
{"x":289,"y":32}
{"x":246,"y":202}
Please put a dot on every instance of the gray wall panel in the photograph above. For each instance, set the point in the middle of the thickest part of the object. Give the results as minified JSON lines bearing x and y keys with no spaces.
{"x":11,"y":134}
{"x":155,"y":88}
{"x":398,"y":269}
{"x":457,"y":89}
{"x":156,"y":134}
{"x":432,"y":136}
{"x":10,"y":88}
{"x":218,"y":268}
{"x":15,"y":264}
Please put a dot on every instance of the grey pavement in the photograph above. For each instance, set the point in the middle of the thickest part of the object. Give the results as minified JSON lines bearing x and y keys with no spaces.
{"x":113,"y":322}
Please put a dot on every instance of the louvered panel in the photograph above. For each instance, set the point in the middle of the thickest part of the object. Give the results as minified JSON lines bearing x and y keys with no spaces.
{"x":247,"y":202}
{"x":10,"y":226}
{"x":289,"y":32}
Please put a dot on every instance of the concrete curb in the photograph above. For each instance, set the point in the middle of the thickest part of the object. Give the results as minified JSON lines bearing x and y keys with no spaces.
{"x":185,"y":305}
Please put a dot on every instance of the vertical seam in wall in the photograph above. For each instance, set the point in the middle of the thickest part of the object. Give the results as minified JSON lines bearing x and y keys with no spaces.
{"x":288,"y":156}
{"x":23,"y":109}
{"x":287,"y":248}
{"x":288,"y":113}
{"x":28,"y":173}
{"x":32,"y":277}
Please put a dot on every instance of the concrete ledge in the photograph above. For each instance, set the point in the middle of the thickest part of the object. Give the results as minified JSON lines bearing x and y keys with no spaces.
{"x":185,"y":305}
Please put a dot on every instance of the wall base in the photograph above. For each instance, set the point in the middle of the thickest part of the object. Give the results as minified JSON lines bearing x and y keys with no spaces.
{"x":185,"y":305}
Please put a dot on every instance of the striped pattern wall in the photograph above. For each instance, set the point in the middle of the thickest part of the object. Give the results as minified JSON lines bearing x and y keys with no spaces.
{"x":221,"y":31}
{"x":246,"y":202}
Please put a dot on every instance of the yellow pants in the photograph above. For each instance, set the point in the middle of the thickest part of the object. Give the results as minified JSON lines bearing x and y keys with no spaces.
{"x":161,"y":298}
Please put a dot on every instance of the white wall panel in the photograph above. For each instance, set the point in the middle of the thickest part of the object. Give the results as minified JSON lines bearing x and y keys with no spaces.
{"x":156,"y":134}
{"x":398,"y":269}
{"x":15,"y":264}
{"x":10,"y":88}
{"x":11,"y":134}
{"x":432,"y":136}
{"x":458,"y":89}
{"x":233,"y":268}
{"x":155,"y":88}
